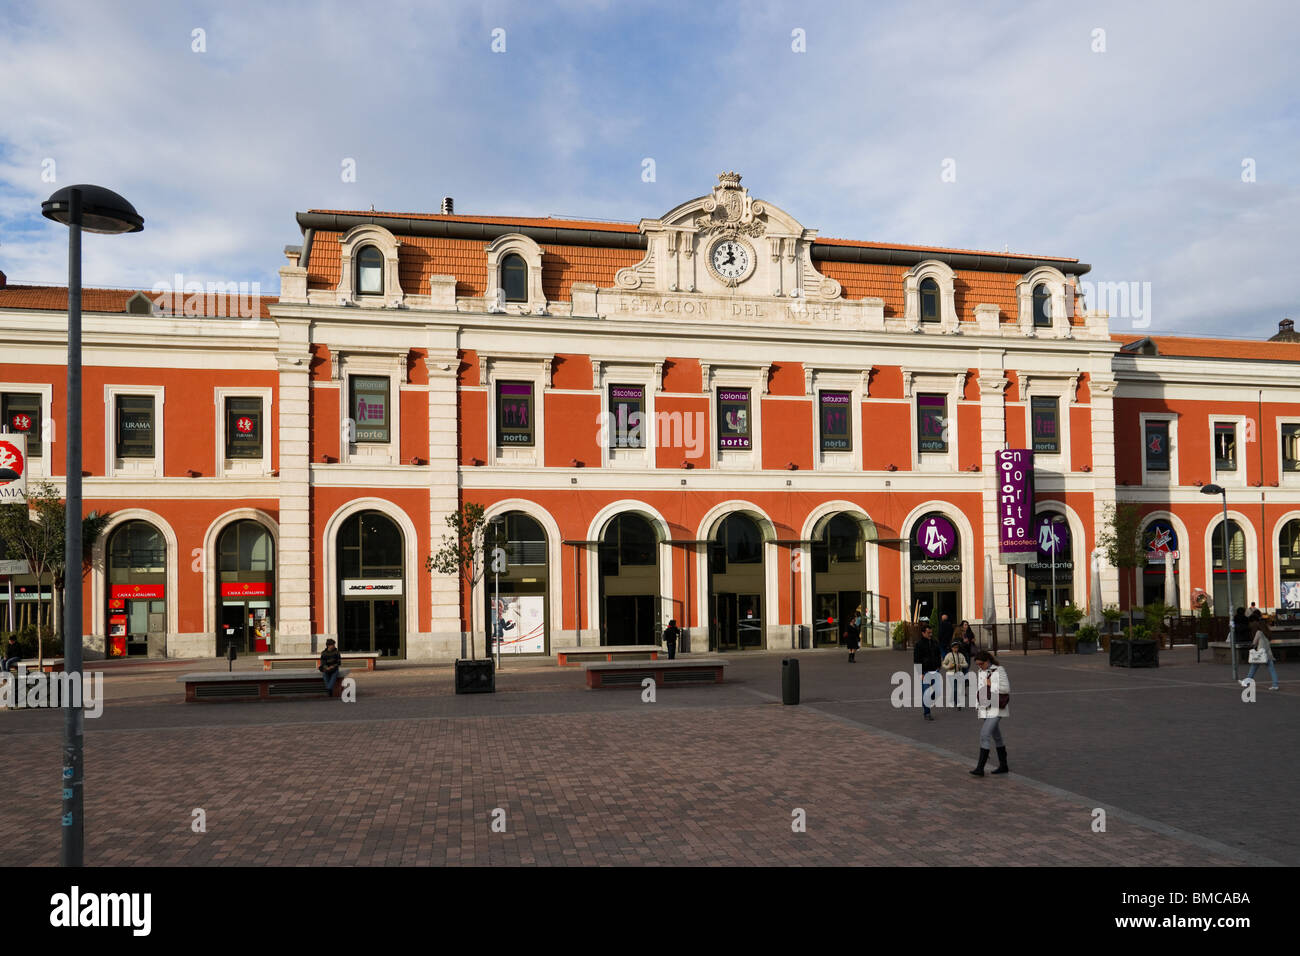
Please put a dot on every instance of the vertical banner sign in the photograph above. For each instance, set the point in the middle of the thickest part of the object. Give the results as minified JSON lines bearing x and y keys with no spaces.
{"x":370,"y":411}
{"x":627,"y":412}
{"x":836,"y":426}
{"x":1017,"y":537}
{"x":1046,"y":427}
{"x":733,"y":418}
{"x":931,"y":423}
{"x":515,"y":413}
{"x":13,"y":469}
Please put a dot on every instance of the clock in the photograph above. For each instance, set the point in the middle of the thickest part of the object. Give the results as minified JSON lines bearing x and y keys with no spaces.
{"x":731,"y":260}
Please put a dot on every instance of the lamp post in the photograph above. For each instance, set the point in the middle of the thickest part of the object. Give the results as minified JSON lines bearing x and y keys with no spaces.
{"x":92,"y":209}
{"x":1055,"y":520}
{"x":1227,"y":569}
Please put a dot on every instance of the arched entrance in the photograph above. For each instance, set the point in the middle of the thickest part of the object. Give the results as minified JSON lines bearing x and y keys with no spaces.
{"x":371,"y":607}
{"x":137,"y":591}
{"x":1229,"y":577}
{"x":936,"y":568}
{"x":245,"y":589}
{"x":736,"y":582}
{"x":1288,"y":563}
{"x":520,"y":618}
{"x":628,"y":557}
{"x":1159,"y":538}
{"x":839,"y":575}
{"x":1049,"y":580}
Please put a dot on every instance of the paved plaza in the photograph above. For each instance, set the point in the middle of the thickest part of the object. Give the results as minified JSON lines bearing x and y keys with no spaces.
{"x":411,"y":774}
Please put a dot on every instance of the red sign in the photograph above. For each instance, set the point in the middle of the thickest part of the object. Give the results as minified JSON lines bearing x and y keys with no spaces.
{"x":116,"y":604}
{"x":134,"y":591}
{"x":244,"y":424}
{"x":21,"y":422}
{"x":258,"y":589}
{"x":11,"y":463}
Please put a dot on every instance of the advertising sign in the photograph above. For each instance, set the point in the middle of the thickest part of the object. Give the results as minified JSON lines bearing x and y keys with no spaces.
{"x":935,"y":536}
{"x":258,"y":589}
{"x":370,"y":411}
{"x":125,"y":592}
{"x":517,"y":620}
{"x":836,"y":421}
{"x":379,"y":587}
{"x":14,"y":567}
{"x":1017,"y":538}
{"x":627,"y":412}
{"x":1161,"y":539}
{"x":733,"y":418}
{"x":1053,"y":538}
{"x":515,"y":413}
{"x":13,"y":469}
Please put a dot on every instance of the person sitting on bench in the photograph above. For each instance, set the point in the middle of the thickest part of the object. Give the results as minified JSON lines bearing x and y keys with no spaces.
{"x":11,"y":655}
{"x":330,"y":659}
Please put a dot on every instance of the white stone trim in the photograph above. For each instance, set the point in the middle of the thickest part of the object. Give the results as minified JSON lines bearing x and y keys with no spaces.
{"x":1159,"y":478}
{"x":99,"y":573}
{"x":705,"y":531}
{"x":1055,"y":281}
{"x":870,"y":556}
{"x":115,"y":467}
{"x":411,"y":566}
{"x":943,"y":275}
{"x":1252,"y":553}
{"x":241,"y":467}
{"x":952,"y":384}
{"x":1063,"y":387}
{"x":1230,"y":479}
{"x":212,"y":563}
{"x":1275,"y":586}
{"x":387,"y":363}
{"x":648,"y":375}
{"x":854,"y":381}
{"x":494,"y":292}
{"x":753,"y":377}
{"x":555,"y":579}
{"x":663,"y":553}
{"x":46,"y":392}
{"x":351,"y":243}
{"x":970,"y":570}
{"x":1182,"y":566}
{"x":534,"y":369}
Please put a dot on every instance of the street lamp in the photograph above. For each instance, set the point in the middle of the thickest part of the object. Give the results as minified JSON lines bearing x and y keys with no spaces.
{"x":94,"y":209}
{"x":1227,"y":568}
{"x":1055,"y":520}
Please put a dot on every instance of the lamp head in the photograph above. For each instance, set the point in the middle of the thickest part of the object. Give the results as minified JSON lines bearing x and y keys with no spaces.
{"x":1211,"y":489}
{"x":102,"y":210}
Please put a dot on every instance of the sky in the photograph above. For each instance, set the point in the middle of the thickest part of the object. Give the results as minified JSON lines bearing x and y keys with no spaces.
{"x":1159,"y":142}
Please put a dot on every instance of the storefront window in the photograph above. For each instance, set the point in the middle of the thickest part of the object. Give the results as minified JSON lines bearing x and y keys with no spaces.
{"x":22,"y":416}
{"x":932,"y":423}
{"x":1156,"y":441}
{"x":1288,"y":559}
{"x":243,"y":428}
{"x":1229,"y":578}
{"x":837,"y":421}
{"x":733,"y":418}
{"x":1225,"y":446}
{"x":135,"y":426}
{"x":370,"y":409}
{"x":626,"y":416}
{"x":514,"y":413}
{"x":1046,"y":423}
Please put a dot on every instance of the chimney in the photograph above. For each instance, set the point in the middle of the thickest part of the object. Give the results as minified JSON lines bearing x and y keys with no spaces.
{"x":3,"y":280}
{"x":1285,"y":327}
{"x":448,"y":206}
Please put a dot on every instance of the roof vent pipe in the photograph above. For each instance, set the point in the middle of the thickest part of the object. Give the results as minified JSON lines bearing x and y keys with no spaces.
{"x":448,"y":205}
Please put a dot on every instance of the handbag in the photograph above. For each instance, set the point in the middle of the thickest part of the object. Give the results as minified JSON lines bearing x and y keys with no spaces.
{"x":1004,"y":701}
{"x":1258,"y":656}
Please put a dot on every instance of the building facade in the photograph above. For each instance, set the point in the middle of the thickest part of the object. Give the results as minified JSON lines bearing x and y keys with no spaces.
{"x":717,"y":417}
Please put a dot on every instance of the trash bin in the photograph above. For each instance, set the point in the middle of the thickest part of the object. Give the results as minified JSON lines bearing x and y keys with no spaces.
{"x":1203,"y":642}
{"x":803,"y":643}
{"x":790,"y":680}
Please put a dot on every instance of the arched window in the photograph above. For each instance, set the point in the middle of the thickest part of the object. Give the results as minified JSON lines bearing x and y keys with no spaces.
{"x":514,"y":278}
{"x":245,"y":546}
{"x":370,"y":546}
{"x":629,"y":541}
{"x":929,"y":300}
{"x":1288,"y":548}
{"x":370,"y":271}
{"x":521,"y":536}
{"x":840,"y":543}
{"x":1042,"y":307}
{"x":137,"y":547}
{"x":738,"y":542}
{"x":1229,"y":581}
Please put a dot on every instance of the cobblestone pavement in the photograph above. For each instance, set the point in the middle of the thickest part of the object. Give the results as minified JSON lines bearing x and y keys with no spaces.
{"x":411,"y":773}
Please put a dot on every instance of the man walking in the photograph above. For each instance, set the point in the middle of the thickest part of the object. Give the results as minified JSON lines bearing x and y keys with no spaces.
{"x":926,"y":653}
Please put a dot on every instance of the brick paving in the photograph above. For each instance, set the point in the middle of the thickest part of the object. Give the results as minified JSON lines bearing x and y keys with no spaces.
{"x":410,"y":774}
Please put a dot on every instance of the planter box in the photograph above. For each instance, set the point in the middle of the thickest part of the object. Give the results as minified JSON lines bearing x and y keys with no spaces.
{"x":476,"y":677}
{"x":1085,"y":647}
{"x":1134,"y":654}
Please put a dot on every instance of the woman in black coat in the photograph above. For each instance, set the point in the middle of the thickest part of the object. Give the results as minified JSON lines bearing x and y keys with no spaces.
{"x":853,"y":634}
{"x":1241,"y":627}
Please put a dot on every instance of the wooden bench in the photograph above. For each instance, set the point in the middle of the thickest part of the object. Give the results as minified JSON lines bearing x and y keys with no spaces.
{"x":573,"y":656}
{"x":664,"y":673}
{"x":257,"y":685}
{"x":366,"y":659}
{"x":51,"y":665}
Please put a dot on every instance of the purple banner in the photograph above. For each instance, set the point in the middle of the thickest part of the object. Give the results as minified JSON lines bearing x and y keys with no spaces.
{"x":936,"y":537}
{"x":1053,"y":537}
{"x":1017,"y":538}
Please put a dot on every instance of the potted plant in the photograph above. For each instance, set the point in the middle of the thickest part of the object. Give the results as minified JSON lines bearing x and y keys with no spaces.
{"x":1203,"y":618}
{"x":1137,"y":648}
{"x":1112,"y":614}
{"x":900,"y":636}
{"x":1086,"y":640}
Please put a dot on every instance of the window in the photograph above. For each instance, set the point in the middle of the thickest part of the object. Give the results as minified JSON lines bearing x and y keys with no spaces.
{"x":1229,"y":582}
{"x":370,"y":271}
{"x":370,"y":411}
{"x":243,"y":428}
{"x":136,"y":546}
{"x":135,"y":426}
{"x":733,"y":418}
{"x":1046,"y":424}
{"x":929,"y":300}
{"x":514,"y":278}
{"x":1225,"y":446}
{"x":514,"y":413}
{"x":1156,"y":442}
{"x":837,"y":420}
{"x":1291,"y":447}
{"x":738,"y":542}
{"x":522,"y":538}
{"x":627,"y":416}
{"x":932,"y":423}
{"x":22,"y":416}
{"x":245,"y":546}
{"x":629,"y":541}
{"x":1042,"y":307}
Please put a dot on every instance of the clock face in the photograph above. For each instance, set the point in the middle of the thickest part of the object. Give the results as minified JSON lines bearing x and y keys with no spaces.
{"x":731,"y":259}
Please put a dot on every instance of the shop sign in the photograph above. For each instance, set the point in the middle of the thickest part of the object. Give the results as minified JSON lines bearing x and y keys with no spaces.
{"x":252,"y":589}
{"x":936,"y":537}
{"x":378,"y":587}
{"x":13,"y":469}
{"x":1017,"y":543}
{"x":733,"y":418}
{"x":1160,"y":539}
{"x":132,"y":592}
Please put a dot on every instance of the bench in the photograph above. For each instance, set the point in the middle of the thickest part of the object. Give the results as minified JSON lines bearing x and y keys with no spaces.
{"x":664,"y":673}
{"x":1283,"y":647}
{"x":566,"y":656}
{"x":51,"y":665}
{"x":367,"y":659}
{"x":257,"y":685}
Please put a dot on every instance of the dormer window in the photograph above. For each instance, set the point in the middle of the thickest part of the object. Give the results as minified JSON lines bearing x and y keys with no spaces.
{"x":929,"y":300}
{"x":514,"y":278}
{"x":370,"y":271}
{"x":1042,"y":307}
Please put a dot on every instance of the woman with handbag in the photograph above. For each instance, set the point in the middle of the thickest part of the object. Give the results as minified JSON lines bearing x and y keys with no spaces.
{"x":1261,"y":652}
{"x":993,"y":700}
{"x":853,"y":633}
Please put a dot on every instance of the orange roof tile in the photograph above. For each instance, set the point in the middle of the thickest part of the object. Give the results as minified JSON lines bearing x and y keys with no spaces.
{"x":55,"y":299}
{"x":544,"y":221}
{"x":865,"y":244}
{"x":1175,"y":346}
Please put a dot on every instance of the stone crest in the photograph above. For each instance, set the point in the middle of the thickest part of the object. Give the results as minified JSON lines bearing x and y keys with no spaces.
{"x":731,"y":211}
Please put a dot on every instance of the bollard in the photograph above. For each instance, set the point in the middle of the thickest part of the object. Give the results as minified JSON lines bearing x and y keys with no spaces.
{"x":790,"y":680}
{"x":230,"y":656}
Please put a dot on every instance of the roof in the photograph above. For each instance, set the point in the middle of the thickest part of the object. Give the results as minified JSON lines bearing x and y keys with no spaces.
{"x":55,"y":299}
{"x":1174,"y":346}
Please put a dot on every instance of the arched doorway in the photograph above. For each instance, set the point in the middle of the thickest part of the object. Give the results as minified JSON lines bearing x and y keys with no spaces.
{"x":838,"y":578}
{"x":245,"y":588}
{"x":137,"y":591}
{"x":1229,"y":578}
{"x":628,"y":559}
{"x":736,"y":582}
{"x":1049,"y":580}
{"x":371,"y":570}
{"x":936,"y":568}
{"x":1159,"y":538}
{"x":521,"y":615}
{"x":1288,"y":563}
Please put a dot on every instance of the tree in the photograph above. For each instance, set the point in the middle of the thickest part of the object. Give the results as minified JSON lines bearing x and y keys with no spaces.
{"x":461,"y":552}
{"x":37,"y":533}
{"x":1120,"y":537}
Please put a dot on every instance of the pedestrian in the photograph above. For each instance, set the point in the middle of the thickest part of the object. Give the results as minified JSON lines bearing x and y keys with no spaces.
{"x":968,"y":646}
{"x":993,"y":701}
{"x":945,"y":632}
{"x":953,"y":662}
{"x":1261,"y":652}
{"x":853,"y":634}
{"x":926,"y":653}
{"x":671,"y":634}
{"x":1254,"y":614}
{"x":330,"y":659}
{"x":11,"y":655}
{"x":1240,"y":627}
